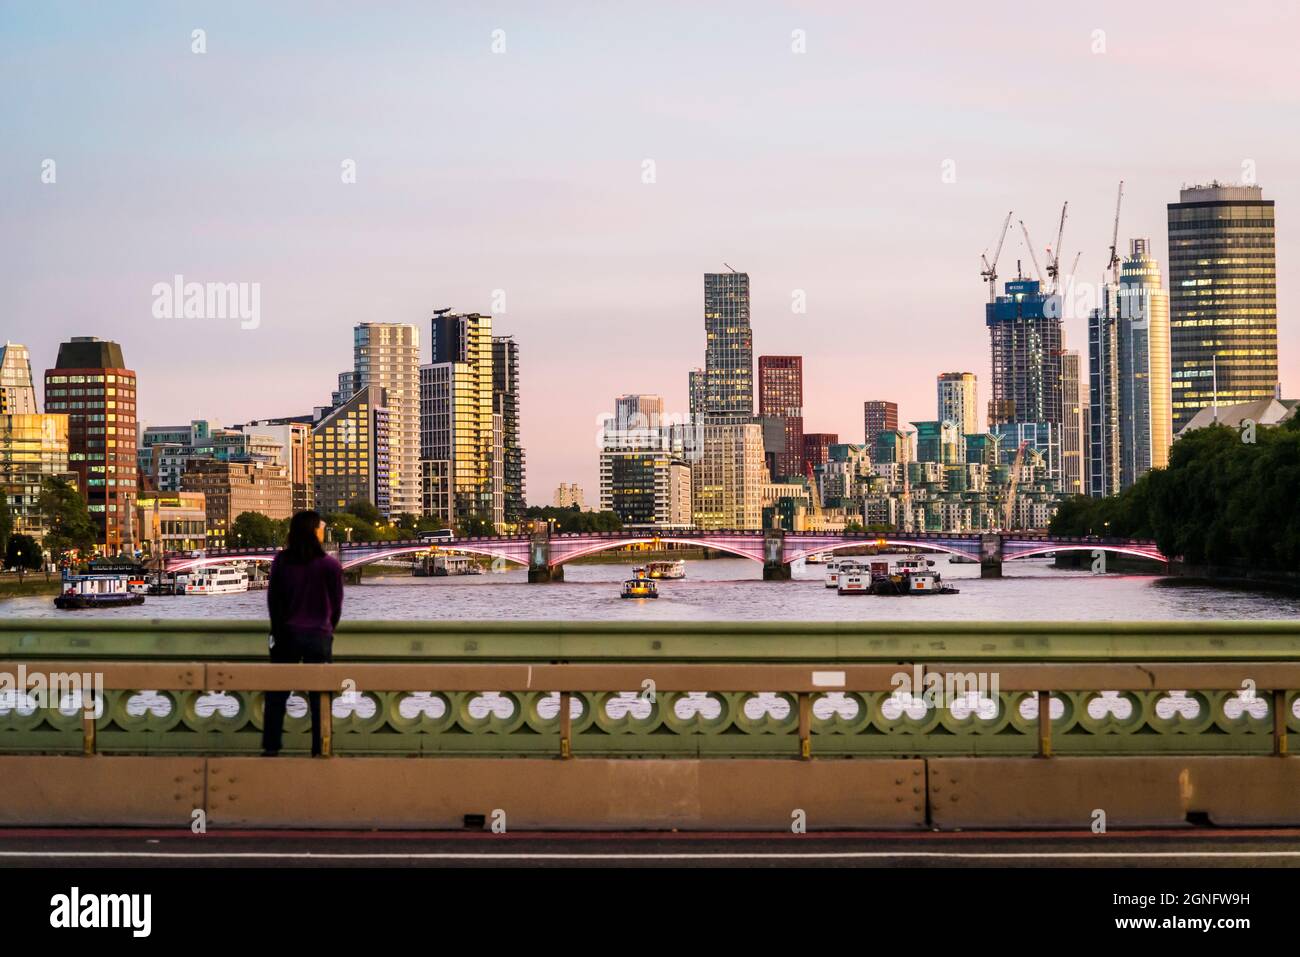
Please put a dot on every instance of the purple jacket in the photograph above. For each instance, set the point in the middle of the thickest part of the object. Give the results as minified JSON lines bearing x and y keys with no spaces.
{"x":305,"y":597}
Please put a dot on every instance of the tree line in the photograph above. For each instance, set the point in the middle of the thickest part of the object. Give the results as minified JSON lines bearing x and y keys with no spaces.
{"x":1228,"y":497}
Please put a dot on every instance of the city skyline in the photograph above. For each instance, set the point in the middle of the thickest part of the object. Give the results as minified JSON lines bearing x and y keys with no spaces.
{"x":856,"y":216}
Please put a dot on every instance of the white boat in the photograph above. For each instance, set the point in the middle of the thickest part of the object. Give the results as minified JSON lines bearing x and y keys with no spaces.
{"x":854,"y":578}
{"x":819,"y":558}
{"x":666,"y":570}
{"x":831,"y":577}
{"x":218,"y":580}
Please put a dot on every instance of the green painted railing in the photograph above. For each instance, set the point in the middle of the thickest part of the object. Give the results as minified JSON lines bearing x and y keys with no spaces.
{"x":1233,"y":710}
{"x":212,"y":640}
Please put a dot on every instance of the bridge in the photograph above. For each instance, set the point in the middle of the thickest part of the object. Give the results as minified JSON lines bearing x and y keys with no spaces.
{"x":545,"y":554}
{"x":909,"y":726}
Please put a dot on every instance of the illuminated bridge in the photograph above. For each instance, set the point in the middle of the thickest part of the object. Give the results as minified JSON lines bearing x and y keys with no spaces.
{"x":545,"y":555}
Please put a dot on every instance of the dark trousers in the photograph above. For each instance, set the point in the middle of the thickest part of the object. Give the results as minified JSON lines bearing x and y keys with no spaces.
{"x":293,"y":647}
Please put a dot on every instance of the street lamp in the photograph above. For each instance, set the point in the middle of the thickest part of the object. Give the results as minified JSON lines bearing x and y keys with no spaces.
{"x":20,"y":568}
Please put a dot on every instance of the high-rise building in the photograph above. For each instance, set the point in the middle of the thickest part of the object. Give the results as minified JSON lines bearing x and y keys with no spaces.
{"x":634,"y":412}
{"x":17,"y":393}
{"x":878,"y":416}
{"x":91,"y":384}
{"x":1074,"y":446}
{"x":956,"y":393}
{"x":727,"y":479}
{"x":1142,"y":340}
{"x":1222,"y":299}
{"x":780,"y":397}
{"x":232,"y":488}
{"x":1027,"y":341}
{"x":387,"y":355}
{"x":33,"y":448}
{"x":645,"y":487}
{"x":816,"y":450}
{"x":506,"y":404}
{"x":350,"y":454}
{"x":698,"y":390}
{"x":729,"y":350}
{"x":457,"y":422}
{"x":1103,"y":397}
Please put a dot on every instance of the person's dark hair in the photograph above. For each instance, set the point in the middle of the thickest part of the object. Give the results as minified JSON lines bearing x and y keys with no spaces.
{"x":303,"y":545}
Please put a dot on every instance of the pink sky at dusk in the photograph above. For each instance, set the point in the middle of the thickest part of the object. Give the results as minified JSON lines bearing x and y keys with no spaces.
{"x":522,"y":171}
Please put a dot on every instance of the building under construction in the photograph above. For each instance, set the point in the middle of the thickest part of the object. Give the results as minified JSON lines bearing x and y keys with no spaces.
{"x":1026,"y":339}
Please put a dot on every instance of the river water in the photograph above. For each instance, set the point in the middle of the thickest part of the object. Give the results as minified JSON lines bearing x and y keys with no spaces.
{"x":730,"y":589}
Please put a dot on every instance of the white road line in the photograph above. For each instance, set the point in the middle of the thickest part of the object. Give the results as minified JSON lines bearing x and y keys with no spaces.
{"x":700,"y":856}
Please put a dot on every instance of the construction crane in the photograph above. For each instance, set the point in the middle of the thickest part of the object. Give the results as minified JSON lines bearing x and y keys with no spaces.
{"x":1113,"y":265}
{"x":1074,"y":268}
{"x":1033,"y":257}
{"x":1008,"y":508}
{"x":1054,"y":253}
{"x":990,"y":271}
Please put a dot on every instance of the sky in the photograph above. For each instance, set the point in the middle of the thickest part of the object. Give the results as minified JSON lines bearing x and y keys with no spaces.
{"x":576,"y":168}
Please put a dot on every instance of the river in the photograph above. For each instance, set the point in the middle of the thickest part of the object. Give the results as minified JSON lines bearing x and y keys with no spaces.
{"x":732,"y":590}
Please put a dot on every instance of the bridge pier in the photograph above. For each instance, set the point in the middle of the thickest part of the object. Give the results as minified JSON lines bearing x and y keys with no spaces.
{"x":775,"y":569}
{"x":991,"y":555}
{"x":540,"y":570}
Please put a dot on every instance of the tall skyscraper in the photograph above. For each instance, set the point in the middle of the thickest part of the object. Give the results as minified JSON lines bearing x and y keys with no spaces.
{"x":780,"y":397}
{"x":878,"y":416}
{"x":1222,"y":299}
{"x":729,"y":349}
{"x":956,"y":393}
{"x":1074,"y":449}
{"x":1142,"y":338}
{"x":457,"y":428}
{"x":1027,"y":341}
{"x":91,"y":384}
{"x":17,"y":393}
{"x":1103,"y":397}
{"x":505,"y":397}
{"x":387,"y":355}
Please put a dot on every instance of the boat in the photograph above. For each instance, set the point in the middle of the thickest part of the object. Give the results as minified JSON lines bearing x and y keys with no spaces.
{"x":831,"y":577}
{"x":666,"y":570}
{"x":819,"y":558}
{"x":854,"y":578}
{"x":96,"y":591}
{"x":639,"y":586}
{"x":218,"y":580}
{"x":907,"y":575}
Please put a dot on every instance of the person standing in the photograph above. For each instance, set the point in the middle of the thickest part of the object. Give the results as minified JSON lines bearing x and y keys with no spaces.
{"x":304,"y":599}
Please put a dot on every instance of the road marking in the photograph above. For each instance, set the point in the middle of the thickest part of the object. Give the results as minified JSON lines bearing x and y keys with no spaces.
{"x":696,"y":856}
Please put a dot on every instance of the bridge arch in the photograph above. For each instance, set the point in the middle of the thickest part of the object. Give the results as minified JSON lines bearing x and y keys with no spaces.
{"x":483,"y":550}
{"x":919,"y":545}
{"x":1137,"y":551}
{"x":605,"y":545}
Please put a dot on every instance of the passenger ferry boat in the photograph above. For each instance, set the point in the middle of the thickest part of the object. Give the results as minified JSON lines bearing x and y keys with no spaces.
{"x":96,"y":591}
{"x":666,"y":570}
{"x":217,"y":580}
{"x":819,"y":558}
{"x":639,"y":586}
{"x":854,"y":578}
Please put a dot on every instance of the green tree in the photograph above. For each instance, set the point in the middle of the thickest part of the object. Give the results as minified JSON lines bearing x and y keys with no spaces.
{"x":72,"y":532}
{"x":255,"y":530}
{"x":476,"y":525}
{"x":365,"y":510}
{"x":23,"y":551}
